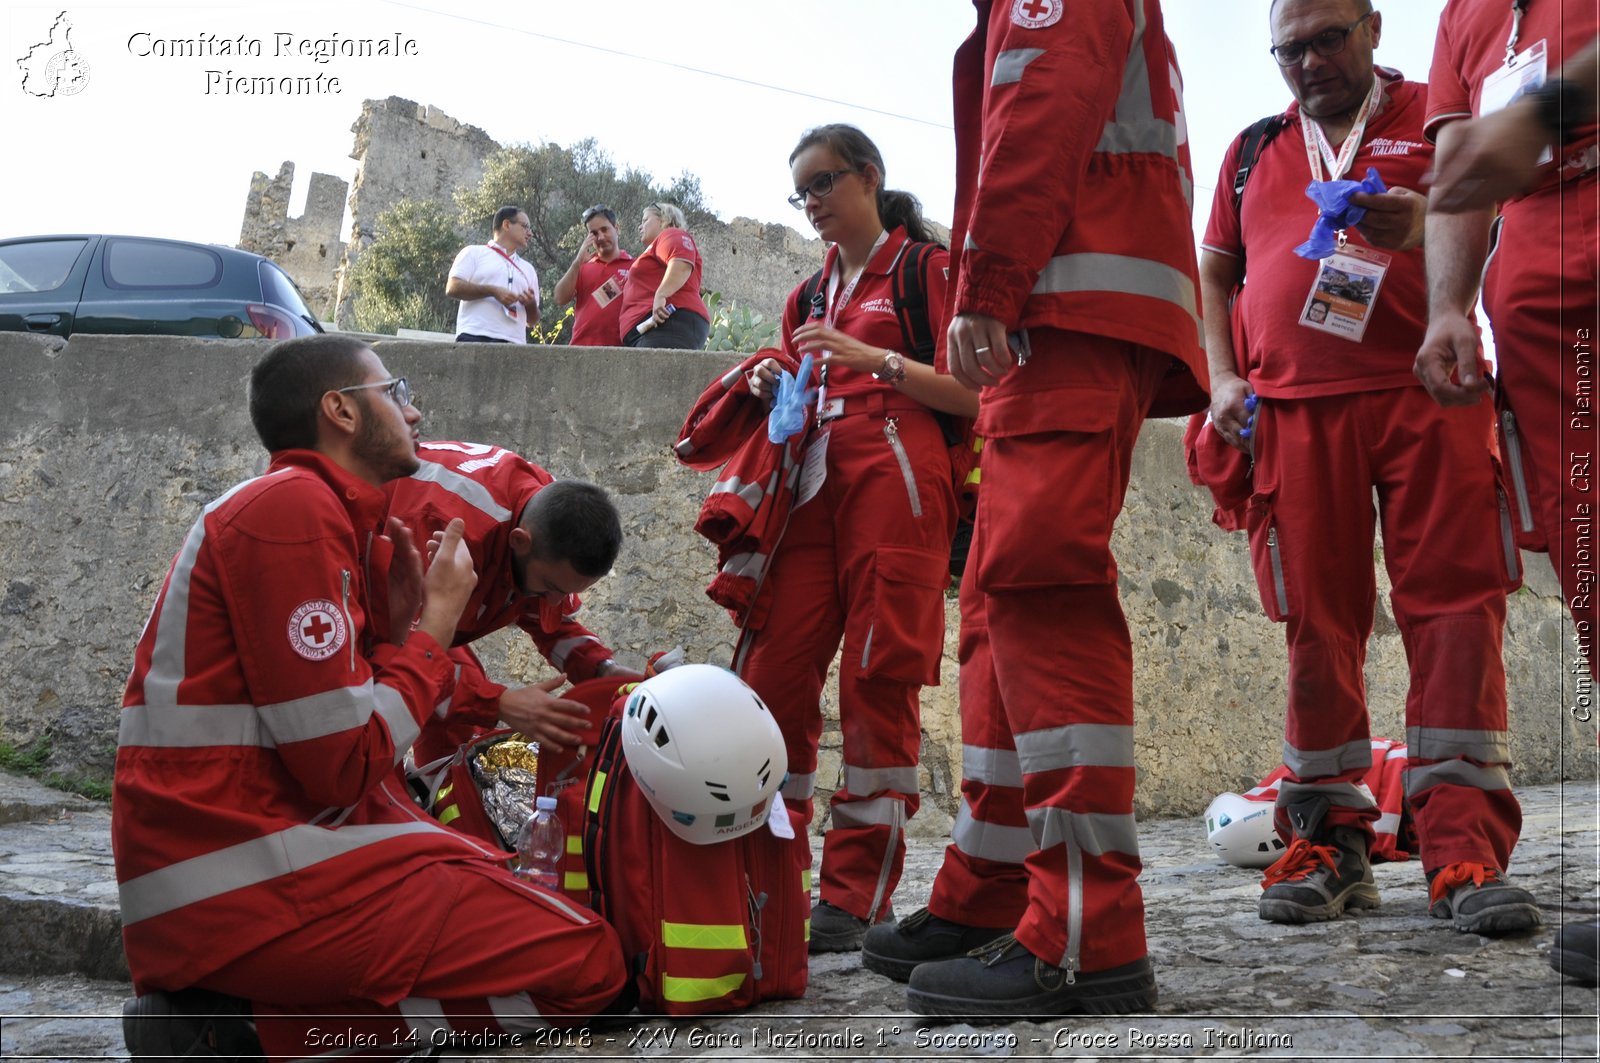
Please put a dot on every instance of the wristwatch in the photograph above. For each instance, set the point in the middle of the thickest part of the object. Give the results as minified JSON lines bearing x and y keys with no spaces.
{"x":894,"y":368}
{"x":1564,"y":108}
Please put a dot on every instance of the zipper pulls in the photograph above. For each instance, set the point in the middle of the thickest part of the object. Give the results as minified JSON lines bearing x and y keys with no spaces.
{"x":344,"y":591}
{"x":891,"y":426}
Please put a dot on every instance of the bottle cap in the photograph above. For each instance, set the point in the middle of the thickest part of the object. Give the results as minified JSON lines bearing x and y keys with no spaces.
{"x":545,"y":804}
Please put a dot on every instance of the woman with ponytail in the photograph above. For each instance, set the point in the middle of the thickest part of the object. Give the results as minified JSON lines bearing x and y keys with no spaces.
{"x":865,"y":557}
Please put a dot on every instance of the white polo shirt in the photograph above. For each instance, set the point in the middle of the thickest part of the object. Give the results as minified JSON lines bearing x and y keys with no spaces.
{"x":486,"y":264}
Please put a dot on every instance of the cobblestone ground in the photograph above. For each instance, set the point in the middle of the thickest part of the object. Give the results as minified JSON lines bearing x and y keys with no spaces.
{"x":1390,"y":984}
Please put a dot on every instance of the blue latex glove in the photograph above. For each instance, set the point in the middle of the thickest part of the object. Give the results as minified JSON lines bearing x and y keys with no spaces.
{"x":1333,"y":200}
{"x":789,"y":402}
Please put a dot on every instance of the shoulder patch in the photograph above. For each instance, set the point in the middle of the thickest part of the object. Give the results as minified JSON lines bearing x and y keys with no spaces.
{"x":317,"y":629}
{"x":1036,"y":14}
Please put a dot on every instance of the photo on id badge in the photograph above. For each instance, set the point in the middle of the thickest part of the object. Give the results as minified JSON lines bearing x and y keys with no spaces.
{"x":1345,"y":292}
{"x":608,"y":291}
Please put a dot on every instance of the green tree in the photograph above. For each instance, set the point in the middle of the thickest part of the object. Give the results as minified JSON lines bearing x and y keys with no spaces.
{"x":555,"y":185}
{"x":398,"y":281}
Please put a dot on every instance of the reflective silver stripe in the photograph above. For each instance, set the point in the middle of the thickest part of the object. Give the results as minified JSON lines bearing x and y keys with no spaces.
{"x":878,"y":812}
{"x":866,"y":649}
{"x":464,"y":487}
{"x":403,"y":727}
{"x":730,"y":378}
{"x":747,"y":566}
{"x":990,"y":841}
{"x":561,"y":650}
{"x":750,"y":494}
{"x":683,"y":448}
{"x":871,"y":780}
{"x":253,"y":862}
{"x":1456,"y":773}
{"x":1343,"y":794}
{"x":1090,"y":271}
{"x":1323,"y":763}
{"x":425,"y":1017}
{"x":1444,"y":743}
{"x":1096,"y":833}
{"x":992,"y":767}
{"x":320,"y":715}
{"x":1008,"y":65}
{"x":515,"y":1013}
{"x":1388,"y":823}
{"x":968,"y":243}
{"x":800,"y":787}
{"x":1077,"y":745}
{"x":191,"y":726}
{"x":172,"y":626}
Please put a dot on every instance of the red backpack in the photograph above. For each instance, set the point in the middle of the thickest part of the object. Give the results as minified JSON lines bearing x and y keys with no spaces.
{"x":705,"y":928}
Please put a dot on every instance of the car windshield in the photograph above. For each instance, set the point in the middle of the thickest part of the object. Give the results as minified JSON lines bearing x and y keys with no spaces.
{"x":277,"y":288}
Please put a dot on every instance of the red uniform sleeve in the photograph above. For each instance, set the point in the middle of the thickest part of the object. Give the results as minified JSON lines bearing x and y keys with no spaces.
{"x":1223,"y":231}
{"x":676,"y":243}
{"x":1046,"y":95}
{"x":293,"y":584}
{"x":566,"y":644}
{"x":1449,"y":95}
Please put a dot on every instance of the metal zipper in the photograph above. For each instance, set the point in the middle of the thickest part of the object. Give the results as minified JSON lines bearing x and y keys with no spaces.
{"x":1508,"y":541}
{"x":1276,"y":559}
{"x":1508,"y":428}
{"x":891,"y":429}
{"x":896,"y":826}
{"x":1074,"y":904}
{"x":866,"y":650}
{"x":344,"y":580}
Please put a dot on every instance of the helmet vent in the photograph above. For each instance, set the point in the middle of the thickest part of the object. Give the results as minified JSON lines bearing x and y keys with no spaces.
{"x":719,"y":791}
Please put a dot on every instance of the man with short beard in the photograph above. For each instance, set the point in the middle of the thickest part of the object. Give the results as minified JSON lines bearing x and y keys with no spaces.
{"x":595,"y":281}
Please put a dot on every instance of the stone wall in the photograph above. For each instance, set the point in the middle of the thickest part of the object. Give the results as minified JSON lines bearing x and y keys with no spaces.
{"x":109,"y":446}
{"x":308,"y":247}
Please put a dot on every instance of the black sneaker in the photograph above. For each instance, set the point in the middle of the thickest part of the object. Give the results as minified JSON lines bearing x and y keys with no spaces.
{"x":1478,"y":899}
{"x":1004,"y":980}
{"x":1577,"y":952}
{"x":895,"y":949}
{"x":835,"y":930}
{"x":190,"y":1024}
{"x":1322,"y":873}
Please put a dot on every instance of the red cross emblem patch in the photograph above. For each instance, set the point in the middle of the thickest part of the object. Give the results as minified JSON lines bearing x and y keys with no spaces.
{"x":317,"y":629}
{"x":1036,"y":14}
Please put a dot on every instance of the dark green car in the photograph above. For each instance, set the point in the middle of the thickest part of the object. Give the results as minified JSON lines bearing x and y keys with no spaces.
{"x":135,"y":285}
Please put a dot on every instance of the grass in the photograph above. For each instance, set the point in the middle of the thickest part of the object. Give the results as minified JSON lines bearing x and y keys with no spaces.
{"x":33,"y":761}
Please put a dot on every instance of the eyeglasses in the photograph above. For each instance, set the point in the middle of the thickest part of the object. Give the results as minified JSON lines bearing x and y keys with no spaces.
{"x":820,"y":186}
{"x":1326,"y":43}
{"x":396,"y":387}
{"x":598,"y":208}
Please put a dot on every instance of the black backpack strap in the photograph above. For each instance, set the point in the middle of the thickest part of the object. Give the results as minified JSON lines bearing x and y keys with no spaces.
{"x":598,"y":789}
{"x":808,"y":294}
{"x":910,"y":289}
{"x":1256,"y":139}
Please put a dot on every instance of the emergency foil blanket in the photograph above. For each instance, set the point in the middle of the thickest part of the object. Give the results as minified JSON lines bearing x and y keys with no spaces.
{"x":507,"y":774}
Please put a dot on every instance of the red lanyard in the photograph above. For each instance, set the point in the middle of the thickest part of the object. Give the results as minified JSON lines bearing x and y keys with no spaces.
{"x":496,"y":249}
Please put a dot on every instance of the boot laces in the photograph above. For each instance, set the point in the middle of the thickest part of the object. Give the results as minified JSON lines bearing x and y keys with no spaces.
{"x":1000,"y":947}
{"x":915,"y":919}
{"x":1459,"y":874}
{"x":1299,"y":861}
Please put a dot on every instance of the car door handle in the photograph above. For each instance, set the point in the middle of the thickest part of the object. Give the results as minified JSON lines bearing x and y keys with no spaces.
{"x":42,"y":322}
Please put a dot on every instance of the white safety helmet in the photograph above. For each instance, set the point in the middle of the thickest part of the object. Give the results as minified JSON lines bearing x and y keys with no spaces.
{"x":1241,"y":831}
{"x":705,"y":750}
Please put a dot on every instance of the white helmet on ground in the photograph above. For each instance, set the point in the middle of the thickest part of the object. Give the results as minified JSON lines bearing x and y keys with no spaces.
{"x":705,"y":750}
{"x":1241,"y":831}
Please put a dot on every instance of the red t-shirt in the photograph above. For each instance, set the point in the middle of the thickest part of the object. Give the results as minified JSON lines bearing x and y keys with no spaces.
{"x":594,"y":325}
{"x":1472,"y":45}
{"x":645,"y":277}
{"x":1284,"y":359}
{"x":869,"y":314}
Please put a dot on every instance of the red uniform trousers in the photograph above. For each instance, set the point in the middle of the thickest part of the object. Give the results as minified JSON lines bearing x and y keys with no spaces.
{"x":1540,"y":292}
{"x":457,"y":947}
{"x":1059,"y":437}
{"x":865,"y":560}
{"x":982,"y":881}
{"x":1448,"y":550}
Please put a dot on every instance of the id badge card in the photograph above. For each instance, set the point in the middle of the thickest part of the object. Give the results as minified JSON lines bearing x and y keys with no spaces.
{"x":813,"y":468}
{"x":606,"y":292}
{"x":1523,"y":74}
{"x":1345,"y":292}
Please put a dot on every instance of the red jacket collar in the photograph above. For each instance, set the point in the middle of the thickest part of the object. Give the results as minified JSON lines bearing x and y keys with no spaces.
{"x":881,"y":260}
{"x":364,"y":502}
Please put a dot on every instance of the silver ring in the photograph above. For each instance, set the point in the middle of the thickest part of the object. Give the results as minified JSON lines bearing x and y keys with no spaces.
{"x":980,"y":350}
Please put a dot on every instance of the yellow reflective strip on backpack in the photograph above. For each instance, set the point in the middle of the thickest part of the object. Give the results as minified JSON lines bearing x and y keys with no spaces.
{"x":805,"y":881}
{"x":692,"y":990}
{"x":575,"y":880}
{"x":594,"y":791}
{"x":450,"y":815}
{"x":703,"y":935}
{"x":975,"y":476}
{"x":575,"y":845}
{"x":444,"y":792}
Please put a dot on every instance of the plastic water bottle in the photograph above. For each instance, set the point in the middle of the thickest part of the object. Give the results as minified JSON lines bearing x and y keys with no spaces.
{"x":541,"y":844}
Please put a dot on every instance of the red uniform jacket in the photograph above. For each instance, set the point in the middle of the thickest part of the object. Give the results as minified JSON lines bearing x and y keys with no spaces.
{"x":1084,"y":219}
{"x":255,"y":785}
{"x":487,"y":487}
